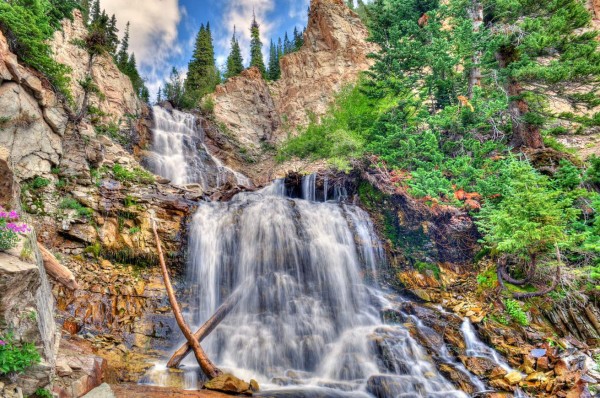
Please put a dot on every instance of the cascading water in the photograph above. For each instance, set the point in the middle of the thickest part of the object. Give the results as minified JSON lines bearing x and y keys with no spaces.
{"x":308,"y":321}
{"x":180,"y":154}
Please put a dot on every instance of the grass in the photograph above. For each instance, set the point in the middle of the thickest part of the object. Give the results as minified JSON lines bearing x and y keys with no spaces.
{"x":137,"y":175}
{"x":72,"y":204}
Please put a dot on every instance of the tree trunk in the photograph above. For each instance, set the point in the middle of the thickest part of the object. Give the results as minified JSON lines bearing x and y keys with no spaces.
{"x":475,"y":74}
{"x":57,"y":271}
{"x":208,"y":326}
{"x":524,"y":134}
{"x":208,"y":368}
{"x":549,"y":289}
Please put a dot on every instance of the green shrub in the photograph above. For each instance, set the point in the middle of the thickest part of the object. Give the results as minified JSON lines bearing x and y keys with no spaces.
{"x":514,"y":310}
{"x":15,"y":357}
{"x":42,"y":393}
{"x":137,"y":175}
{"x":39,"y":183}
{"x":428,"y":267}
{"x":82,"y":211}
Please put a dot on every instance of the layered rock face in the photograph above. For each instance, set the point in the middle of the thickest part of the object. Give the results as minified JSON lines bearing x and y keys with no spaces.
{"x":119,"y":96}
{"x":334,"y":53}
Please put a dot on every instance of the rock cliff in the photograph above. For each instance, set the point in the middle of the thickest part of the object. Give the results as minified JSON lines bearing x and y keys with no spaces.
{"x":334,"y":54}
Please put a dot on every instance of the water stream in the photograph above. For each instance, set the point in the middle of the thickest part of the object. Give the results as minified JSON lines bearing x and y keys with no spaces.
{"x":310,"y":324}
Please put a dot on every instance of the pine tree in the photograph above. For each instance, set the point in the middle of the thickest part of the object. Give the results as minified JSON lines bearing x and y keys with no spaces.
{"x":145,"y":94}
{"x":203,"y":75}
{"x":95,"y":11}
{"x":274,"y":71}
{"x":298,"y":39}
{"x":159,"y":95}
{"x":350,"y":4}
{"x":123,"y":54}
{"x":287,"y":45}
{"x":174,"y":90}
{"x":540,"y":31}
{"x":85,"y":10}
{"x":280,"y":52}
{"x":256,"y":56}
{"x":235,"y":62}
{"x":113,"y":35}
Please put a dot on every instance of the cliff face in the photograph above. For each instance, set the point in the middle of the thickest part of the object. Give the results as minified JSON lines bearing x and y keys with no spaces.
{"x":334,"y":53}
{"x":119,"y":97}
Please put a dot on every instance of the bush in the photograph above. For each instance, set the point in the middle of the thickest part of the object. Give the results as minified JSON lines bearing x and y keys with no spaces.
{"x":15,"y":358}
{"x":137,"y":175}
{"x":82,"y":211}
{"x":39,"y":183}
{"x":514,"y":310}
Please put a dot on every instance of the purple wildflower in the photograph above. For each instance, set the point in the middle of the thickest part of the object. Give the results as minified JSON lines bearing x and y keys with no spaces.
{"x":3,"y":214}
{"x":13,"y":215}
{"x":2,"y":343}
{"x":23,"y":228}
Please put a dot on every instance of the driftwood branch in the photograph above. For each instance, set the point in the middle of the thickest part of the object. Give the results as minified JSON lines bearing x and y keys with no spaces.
{"x":57,"y":271}
{"x":208,"y":326}
{"x":208,"y":368}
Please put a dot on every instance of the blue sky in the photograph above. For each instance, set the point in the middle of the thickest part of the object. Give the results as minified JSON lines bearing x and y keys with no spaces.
{"x":163,"y":31}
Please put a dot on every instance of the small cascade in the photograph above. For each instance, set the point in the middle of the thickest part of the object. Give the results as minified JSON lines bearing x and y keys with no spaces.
{"x":314,"y":190}
{"x":179,"y":153}
{"x":476,"y":348}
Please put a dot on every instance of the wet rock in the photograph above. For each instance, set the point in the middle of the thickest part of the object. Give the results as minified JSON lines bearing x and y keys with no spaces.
{"x":230,"y":384}
{"x":513,"y":378}
{"x":104,"y":391}
{"x":383,"y":386}
{"x":458,"y":377}
{"x":482,"y":367}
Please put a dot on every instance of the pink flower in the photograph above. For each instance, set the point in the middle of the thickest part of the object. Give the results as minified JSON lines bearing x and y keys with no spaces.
{"x":23,"y":228}
{"x":3,"y":214}
{"x":13,"y":215}
{"x":2,"y":343}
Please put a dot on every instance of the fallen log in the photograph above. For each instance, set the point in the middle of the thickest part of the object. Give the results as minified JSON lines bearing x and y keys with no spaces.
{"x":209,"y":325}
{"x":57,"y":271}
{"x":208,"y":368}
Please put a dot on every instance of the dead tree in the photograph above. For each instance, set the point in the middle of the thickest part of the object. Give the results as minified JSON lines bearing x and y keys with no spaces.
{"x":208,"y":368}
{"x":208,"y":326}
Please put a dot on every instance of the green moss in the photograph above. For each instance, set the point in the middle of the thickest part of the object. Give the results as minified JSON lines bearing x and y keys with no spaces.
{"x":424,"y":268}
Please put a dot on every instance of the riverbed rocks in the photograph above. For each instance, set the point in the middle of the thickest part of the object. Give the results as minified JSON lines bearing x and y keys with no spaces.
{"x":230,"y":384}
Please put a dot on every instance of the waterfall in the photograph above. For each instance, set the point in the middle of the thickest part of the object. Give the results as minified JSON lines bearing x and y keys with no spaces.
{"x":309,"y":321}
{"x":179,"y":153}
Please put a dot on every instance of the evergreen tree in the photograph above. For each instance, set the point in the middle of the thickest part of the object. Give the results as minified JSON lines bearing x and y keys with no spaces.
{"x":235,"y":62}
{"x":159,"y":95}
{"x":113,"y":36}
{"x":174,"y":90}
{"x":145,"y":94}
{"x":203,"y":75}
{"x":280,"y":52}
{"x":274,"y":71}
{"x":85,"y":10}
{"x":123,"y":55}
{"x":538,"y":32}
{"x":256,"y":56}
{"x":287,"y":45}
{"x":298,"y":39}
{"x":95,"y":11}
{"x":350,"y":4}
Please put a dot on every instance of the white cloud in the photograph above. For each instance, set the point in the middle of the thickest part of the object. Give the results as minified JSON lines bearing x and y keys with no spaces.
{"x":154,"y":33}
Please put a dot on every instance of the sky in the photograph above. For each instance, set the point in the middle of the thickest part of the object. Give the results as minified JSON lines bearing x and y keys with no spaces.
{"x":163,"y":31}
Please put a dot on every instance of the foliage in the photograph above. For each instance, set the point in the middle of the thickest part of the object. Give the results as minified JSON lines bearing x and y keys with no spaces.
{"x":72,"y":204}
{"x":531,"y":218}
{"x":428,"y":267}
{"x":514,"y":310}
{"x":203,"y":75}
{"x":235,"y":62}
{"x":10,"y":229}
{"x":42,"y":393}
{"x":137,"y":175}
{"x":15,"y":357}
{"x":39,"y":183}
{"x":28,"y":25}
{"x":256,"y":56}
{"x":174,"y":90}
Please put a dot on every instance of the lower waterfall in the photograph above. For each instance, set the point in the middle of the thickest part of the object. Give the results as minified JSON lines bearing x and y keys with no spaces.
{"x":310,"y":324}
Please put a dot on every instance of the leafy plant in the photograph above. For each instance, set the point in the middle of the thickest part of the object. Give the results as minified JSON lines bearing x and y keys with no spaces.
{"x":514,"y":310}
{"x":82,"y":211}
{"x":42,"y":393}
{"x":137,"y":175}
{"x":15,"y":357}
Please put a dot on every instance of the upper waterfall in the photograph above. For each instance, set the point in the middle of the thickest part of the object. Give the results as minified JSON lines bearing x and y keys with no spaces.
{"x":179,"y":152}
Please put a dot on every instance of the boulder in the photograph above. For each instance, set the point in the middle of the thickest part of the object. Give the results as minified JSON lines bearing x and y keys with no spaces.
{"x":230,"y":384}
{"x":104,"y":391}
